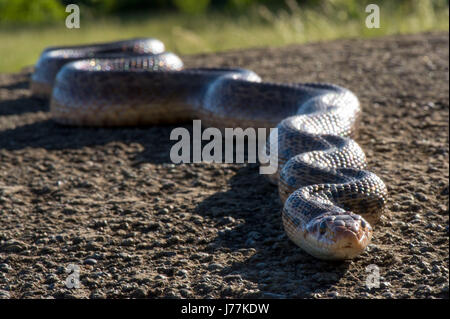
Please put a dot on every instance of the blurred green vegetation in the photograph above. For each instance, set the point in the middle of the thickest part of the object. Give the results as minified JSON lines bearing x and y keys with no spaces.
{"x":51,"y":11}
{"x":193,"y":26}
{"x":48,"y":11}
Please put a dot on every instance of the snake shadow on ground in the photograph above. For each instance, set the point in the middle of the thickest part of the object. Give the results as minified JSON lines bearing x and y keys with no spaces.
{"x":277,"y":263}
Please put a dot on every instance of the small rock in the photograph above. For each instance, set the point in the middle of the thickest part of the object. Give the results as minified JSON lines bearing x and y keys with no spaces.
{"x":167,"y":185}
{"x":423,"y":289}
{"x":226,"y":220}
{"x":139,"y":293}
{"x":385,"y":285}
{"x":445,"y":288}
{"x":128,"y":242}
{"x":78,"y":240}
{"x":333,"y":294}
{"x":426,"y":249}
{"x":182,"y":273}
{"x":97,"y":295}
{"x":421,"y":197}
{"x":13,"y":246}
{"x":436,"y":269}
{"x":51,"y":279}
{"x":93,"y":246}
{"x":173,"y":240}
{"x":69,"y":211}
{"x":100,"y":224}
{"x":215,"y":266}
{"x":186,"y":293}
{"x":90,"y":261}
{"x":46,"y":250}
{"x":4,"y":267}
{"x":60,"y":270}
{"x":160,"y":277}
{"x":388,"y":294}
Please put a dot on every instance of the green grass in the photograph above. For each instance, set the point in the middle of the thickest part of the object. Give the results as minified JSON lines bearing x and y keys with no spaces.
{"x":184,"y":34}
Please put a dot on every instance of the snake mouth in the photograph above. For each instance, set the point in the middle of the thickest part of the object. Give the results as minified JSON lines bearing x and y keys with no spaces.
{"x":349,"y":243}
{"x":346,"y":243}
{"x":343,"y":245}
{"x":329,"y":239}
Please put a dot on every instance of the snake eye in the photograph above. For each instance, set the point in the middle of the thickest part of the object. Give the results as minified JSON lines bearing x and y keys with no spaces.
{"x":322,"y":228}
{"x":363,"y":224}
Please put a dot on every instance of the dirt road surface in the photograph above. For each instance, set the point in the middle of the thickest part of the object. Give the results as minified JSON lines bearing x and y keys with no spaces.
{"x":111,"y":202}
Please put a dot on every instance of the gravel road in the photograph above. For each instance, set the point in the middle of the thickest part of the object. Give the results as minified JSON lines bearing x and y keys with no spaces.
{"x":110,"y":202}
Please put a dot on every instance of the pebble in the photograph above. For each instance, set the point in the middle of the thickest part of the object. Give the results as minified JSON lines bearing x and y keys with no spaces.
{"x":4,"y":267}
{"x":93,"y":246}
{"x":226,"y":220}
{"x":60,"y":238}
{"x":445,"y":288}
{"x":215,"y":266}
{"x":185,"y":292}
{"x":423,"y":289}
{"x":69,"y":211}
{"x":167,"y":185}
{"x":78,"y":239}
{"x":385,"y":284}
{"x":163,"y":211}
{"x":427,"y":249}
{"x":440,"y":280}
{"x":90,"y":261}
{"x":161,"y":277}
{"x":333,"y":294}
{"x":13,"y":246}
{"x":182,"y":273}
{"x":51,"y":279}
{"x":204,"y":257}
{"x":100,"y":224}
{"x":128,"y":242}
{"x":60,"y":270}
{"x":139,"y":293}
{"x":421,"y":197}
{"x":174,"y":240}
{"x":97,"y":295}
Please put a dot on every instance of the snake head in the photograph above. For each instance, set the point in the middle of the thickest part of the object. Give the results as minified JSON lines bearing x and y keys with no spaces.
{"x":337,"y":235}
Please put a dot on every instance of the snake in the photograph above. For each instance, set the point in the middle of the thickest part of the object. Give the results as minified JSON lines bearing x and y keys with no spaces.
{"x":330,"y":200}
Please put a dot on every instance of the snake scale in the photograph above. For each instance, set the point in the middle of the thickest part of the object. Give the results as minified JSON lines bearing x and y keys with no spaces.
{"x":330,"y":200}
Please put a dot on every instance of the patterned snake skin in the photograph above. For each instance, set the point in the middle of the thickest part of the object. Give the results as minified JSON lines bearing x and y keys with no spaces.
{"x":329,"y":199}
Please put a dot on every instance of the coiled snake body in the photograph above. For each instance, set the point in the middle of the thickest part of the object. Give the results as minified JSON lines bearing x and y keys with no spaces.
{"x":329,"y":199}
